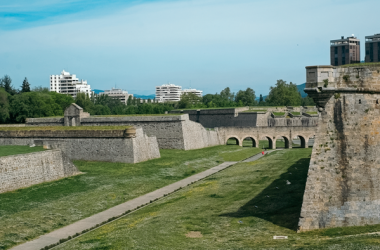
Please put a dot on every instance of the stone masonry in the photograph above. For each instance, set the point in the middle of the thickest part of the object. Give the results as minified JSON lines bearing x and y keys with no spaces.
{"x":343,"y":187}
{"x":24,"y":170}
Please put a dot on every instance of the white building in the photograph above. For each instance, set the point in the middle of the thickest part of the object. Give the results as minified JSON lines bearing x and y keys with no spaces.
{"x":194,"y":91}
{"x":120,"y":94}
{"x":168,"y":92}
{"x":68,"y":84}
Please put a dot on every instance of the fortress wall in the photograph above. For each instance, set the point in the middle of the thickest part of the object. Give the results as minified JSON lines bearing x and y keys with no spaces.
{"x":44,"y":121}
{"x":196,"y":136}
{"x":293,"y":122}
{"x":91,"y":145}
{"x":24,"y":170}
{"x":343,"y":187}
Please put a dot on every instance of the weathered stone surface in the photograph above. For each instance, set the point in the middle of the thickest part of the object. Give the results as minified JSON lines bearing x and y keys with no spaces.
{"x":24,"y":170}
{"x":343,"y":187}
{"x":92,"y":145}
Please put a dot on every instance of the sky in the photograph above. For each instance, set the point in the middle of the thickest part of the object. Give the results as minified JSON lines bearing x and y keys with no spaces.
{"x":203,"y":44}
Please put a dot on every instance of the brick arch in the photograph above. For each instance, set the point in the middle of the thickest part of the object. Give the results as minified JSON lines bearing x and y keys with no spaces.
{"x":288,"y":140}
{"x":304,"y":140}
{"x":255,"y":141}
{"x":272,"y":141}
{"x":239,"y":141}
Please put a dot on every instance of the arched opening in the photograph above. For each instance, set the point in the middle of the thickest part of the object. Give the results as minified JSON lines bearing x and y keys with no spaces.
{"x":232,"y":141}
{"x":249,"y":142}
{"x":283,"y":142}
{"x":300,"y":142}
{"x":311,"y":141}
{"x":267,"y":143}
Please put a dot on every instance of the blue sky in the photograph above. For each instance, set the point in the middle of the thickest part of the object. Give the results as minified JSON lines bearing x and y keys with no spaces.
{"x":205,"y":44}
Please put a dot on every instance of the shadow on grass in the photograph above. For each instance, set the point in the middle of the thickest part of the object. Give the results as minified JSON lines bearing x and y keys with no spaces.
{"x":279,"y":202}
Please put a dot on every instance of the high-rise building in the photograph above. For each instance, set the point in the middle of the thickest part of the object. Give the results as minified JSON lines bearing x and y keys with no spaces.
{"x":345,"y":51}
{"x":372,"y":48}
{"x":65,"y":83}
{"x":194,"y":91}
{"x":120,"y":94}
{"x":168,"y":92}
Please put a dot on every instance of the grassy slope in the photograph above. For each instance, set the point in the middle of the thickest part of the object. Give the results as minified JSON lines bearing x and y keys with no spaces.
{"x":215,"y":206}
{"x":15,"y":150}
{"x":30,"y":212}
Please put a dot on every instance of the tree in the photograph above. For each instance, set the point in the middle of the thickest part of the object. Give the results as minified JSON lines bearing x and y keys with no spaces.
{"x":25,"y":87}
{"x":308,"y":101}
{"x":247,"y":97}
{"x":189,"y":100}
{"x":284,"y":94}
{"x":4,"y":106}
{"x":129,"y":101}
{"x":261,"y":100}
{"x":7,"y":85}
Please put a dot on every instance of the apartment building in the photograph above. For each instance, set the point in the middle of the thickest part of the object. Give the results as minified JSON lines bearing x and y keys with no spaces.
{"x":65,"y":83}
{"x":194,"y":91}
{"x":120,"y":94}
{"x":345,"y":51}
{"x":372,"y":48}
{"x":168,"y":92}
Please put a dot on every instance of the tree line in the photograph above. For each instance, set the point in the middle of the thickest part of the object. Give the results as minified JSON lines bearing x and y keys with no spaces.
{"x":18,"y":104}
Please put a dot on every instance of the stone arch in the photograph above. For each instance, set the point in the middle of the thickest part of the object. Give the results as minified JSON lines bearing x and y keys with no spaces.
{"x":233,"y":137}
{"x":303,"y":140}
{"x":255,"y":142}
{"x":288,"y":142}
{"x":271,"y":140}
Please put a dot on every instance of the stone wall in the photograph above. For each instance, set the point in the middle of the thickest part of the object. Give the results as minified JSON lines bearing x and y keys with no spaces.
{"x":24,"y":170}
{"x":343,"y":187}
{"x":91,"y":145}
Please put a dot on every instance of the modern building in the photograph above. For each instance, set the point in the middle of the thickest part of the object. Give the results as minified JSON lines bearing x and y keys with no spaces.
{"x":120,"y":94}
{"x":168,"y":92}
{"x":194,"y":91}
{"x":65,"y":83}
{"x":372,"y":48}
{"x":345,"y":51}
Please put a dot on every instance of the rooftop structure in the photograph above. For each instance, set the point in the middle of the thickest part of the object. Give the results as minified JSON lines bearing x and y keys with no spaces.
{"x":120,"y":94}
{"x":65,"y":83}
{"x":168,"y":92}
{"x":194,"y":91}
{"x":345,"y":51}
{"x":372,"y":48}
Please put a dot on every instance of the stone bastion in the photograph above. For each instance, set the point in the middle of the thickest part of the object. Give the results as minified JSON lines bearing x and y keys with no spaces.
{"x":343,"y":187}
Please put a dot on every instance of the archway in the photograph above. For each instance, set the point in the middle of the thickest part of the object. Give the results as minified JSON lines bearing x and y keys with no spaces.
{"x":267,"y":143}
{"x":283,"y":142}
{"x":301,"y":141}
{"x":232,"y":141}
{"x":249,"y":142}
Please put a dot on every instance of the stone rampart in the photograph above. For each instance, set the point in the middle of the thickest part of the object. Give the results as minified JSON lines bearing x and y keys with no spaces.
{"x":343,"y":187}
{"x":24,"y":170}
{"x":92,"y":145}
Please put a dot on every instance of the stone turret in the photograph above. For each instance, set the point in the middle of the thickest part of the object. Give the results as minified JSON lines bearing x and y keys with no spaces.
{"x":343,"y":187}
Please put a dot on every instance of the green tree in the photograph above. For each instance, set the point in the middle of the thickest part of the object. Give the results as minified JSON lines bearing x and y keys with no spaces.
{"x":7,"y":85}
{"x":4,"y":106}
{"x":129,"y":101}
{"x":308,"y":101}
{"x":189,"y":100}
{"x":247,"y":97}
{"x":25,"y":87}
{"x":284,"y":94}
{"x":261,"y":100}
{"x":83,"y":100}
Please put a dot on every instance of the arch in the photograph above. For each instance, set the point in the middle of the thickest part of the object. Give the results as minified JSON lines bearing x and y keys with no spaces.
{"x":303,"y":141}
{"x":250,"y":139}
{"x":271,"y":141}
{"x":287,"y":141}
{"x":230,"y":141}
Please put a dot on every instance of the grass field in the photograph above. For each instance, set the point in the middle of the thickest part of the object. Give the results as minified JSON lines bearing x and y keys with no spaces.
{"x":15,"y":150}
{"x":279,"y":113}
{"x":30,"y":212}
{"x":242,"y":207}
{"x":53,"y":128}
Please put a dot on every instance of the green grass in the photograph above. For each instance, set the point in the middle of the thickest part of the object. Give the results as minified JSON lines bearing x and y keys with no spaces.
{"x":15,"y":150}
{"x":66,"y":128}
{"x":296,"y":113}
{"x":312,"y":113}
{"x":244,"y":193}
{"x":28,"y":213}
{"x":95,"y":116}
{"x":279,"y":113}
{"x":360,"y":65}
